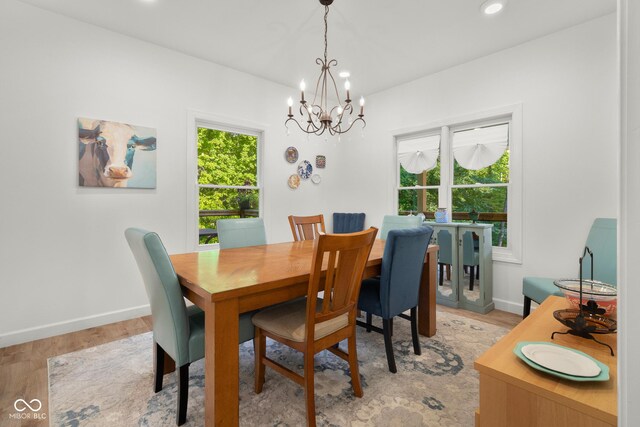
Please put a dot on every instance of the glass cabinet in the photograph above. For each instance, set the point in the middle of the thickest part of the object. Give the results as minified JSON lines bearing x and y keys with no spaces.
{"x":465,"y":265}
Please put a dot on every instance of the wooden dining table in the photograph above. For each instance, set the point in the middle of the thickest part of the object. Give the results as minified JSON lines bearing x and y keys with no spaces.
{"x":225,"y":283}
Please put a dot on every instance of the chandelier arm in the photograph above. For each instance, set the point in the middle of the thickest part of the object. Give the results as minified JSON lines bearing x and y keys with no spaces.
{"x":335,"y":86}
{"x":322,"y":64}
{"x":359,"y":119}
{"x":291,"y":119}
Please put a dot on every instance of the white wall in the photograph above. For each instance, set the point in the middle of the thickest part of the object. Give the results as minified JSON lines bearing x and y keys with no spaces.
{"x":628,"y":335}
{"x":64,"y":261}
{"x":567,"y":84}
{"x":65,"y":264}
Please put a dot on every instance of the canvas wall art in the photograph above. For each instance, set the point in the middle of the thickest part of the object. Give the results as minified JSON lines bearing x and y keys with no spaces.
{"x":113,"y":154}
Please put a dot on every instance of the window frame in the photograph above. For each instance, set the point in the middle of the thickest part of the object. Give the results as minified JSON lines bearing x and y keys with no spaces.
{"x":512,"y":114}
{"x":198,"y":119}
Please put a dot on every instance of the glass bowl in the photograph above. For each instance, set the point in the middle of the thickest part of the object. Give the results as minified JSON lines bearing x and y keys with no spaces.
{"x":603,"y":294}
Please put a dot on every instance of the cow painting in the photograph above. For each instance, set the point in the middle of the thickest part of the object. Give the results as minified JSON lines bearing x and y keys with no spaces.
{"x":116,"y":154}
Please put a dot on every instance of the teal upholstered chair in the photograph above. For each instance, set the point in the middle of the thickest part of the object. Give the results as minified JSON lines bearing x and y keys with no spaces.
{"x":445,"y":253}
{"x":602,"y":241}
{"x":397,"y":288}
{"x":238,"y":233}
{"x":399,"y":222}
{"x":470,"y":257}
{"x":178,"y":331}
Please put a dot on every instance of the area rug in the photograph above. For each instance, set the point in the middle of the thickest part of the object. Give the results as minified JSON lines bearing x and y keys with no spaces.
{"x":112,"y":384}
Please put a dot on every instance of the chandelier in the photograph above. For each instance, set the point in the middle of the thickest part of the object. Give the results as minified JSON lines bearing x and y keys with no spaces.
{"x":319,"y":117}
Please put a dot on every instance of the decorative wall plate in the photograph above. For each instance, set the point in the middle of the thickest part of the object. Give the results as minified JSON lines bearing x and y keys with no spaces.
{"x":321,"y":162}
{"x":291,"y":154}
{"x":305,"y":169}
{"x":316,"y":179}
{"x":293,"y":181}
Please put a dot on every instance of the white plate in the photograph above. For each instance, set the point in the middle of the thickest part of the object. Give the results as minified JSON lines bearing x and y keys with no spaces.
{"x":316,"y":179}
{"x":561,"y":359}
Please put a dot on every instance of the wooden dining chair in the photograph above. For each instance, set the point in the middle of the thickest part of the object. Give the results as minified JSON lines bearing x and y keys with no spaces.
{"x":313,"y":324}
{"x":306,"y":227}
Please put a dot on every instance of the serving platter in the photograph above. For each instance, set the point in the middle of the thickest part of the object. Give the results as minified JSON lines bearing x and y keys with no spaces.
{"x":551,"y":357}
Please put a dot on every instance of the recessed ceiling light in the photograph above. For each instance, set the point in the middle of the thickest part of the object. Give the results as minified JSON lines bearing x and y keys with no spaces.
{"x":492,"y":7}
{"x":344,"y":74}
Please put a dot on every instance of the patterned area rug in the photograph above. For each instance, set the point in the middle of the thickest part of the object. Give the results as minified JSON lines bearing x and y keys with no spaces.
{"x":112,"y":384}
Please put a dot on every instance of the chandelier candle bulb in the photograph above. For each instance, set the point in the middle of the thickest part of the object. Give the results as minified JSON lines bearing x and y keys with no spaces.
{"x":303,"y":86}
{"x":290,"y":104}
{"x":347,"y":86}
{"x":361,"y":106}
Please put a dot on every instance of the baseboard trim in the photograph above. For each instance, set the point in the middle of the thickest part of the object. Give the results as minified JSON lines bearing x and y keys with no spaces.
{"x":509,"y":306}
{"x":73,"y":325}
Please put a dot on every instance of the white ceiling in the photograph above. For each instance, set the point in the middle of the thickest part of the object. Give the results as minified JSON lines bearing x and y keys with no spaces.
{"x":382,"y":43}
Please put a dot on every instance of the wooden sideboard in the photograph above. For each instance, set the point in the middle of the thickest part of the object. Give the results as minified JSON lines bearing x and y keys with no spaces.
{"x":513,"y":394}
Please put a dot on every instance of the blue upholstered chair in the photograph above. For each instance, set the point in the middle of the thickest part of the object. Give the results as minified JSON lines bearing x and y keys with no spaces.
{"x":348,"y":222}
{"x":178,"y":331}
{"x":399,"y":222}
{"x":396,"y":289}
{"x":238,"y":233}
{"x":602,"y":241}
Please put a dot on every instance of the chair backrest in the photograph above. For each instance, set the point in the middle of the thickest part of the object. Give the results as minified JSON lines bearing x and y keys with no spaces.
{"x":239,"y":233}
{"x":603,"y":243}
{"x":345,"y":256}
{"x":306,"y":227}
{"x":445,"y":253}
{"x":398,"y":222}
{"x":402,"y":266}
{"x":348,"y":222}
{"x":469,"y":254}
{"x":168,"y":309}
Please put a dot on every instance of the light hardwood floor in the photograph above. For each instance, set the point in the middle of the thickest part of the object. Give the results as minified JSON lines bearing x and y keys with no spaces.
{"x":23,"y":368}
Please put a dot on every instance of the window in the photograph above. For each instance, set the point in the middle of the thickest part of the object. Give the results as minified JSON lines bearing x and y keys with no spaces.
{"x":226,"y":170}
{"x":465,"y":165}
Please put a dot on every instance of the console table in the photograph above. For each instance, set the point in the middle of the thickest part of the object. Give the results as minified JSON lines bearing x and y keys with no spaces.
{"x":514,"y":394}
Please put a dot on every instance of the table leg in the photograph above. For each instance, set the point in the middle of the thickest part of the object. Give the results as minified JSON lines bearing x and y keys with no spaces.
{"x":221,"y":364}
{"x":427,"y":302}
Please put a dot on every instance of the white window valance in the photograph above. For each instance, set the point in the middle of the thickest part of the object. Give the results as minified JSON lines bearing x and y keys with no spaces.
{"x":420,"y":154}
{"x":479,"y":148}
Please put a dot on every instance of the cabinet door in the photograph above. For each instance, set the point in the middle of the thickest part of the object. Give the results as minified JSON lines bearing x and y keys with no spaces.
{"x":447,"y":274}
{"x":474,"y":269}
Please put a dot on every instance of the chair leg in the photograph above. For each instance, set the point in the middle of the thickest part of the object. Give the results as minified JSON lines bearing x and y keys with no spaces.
{"x":441,"y":278}
{"x":353,"y":366}
{"x":448,"y":267}
{"x":388,"y":346}
{"x":369,"y":319}
{"x":478,"y":272}
{"x":158,"y":366}
{"x":183,"y":394}
{"x":414,"y":331}
{"x":472,"y":275}
{"x":259,"y":345}
{"x":526,"y":310}
{"x":391,"y":326}
{"x":309,"y":389}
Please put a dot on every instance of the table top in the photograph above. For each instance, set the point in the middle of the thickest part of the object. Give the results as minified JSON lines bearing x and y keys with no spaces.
{"x":598,"y":399}
{"x":228,"y":273}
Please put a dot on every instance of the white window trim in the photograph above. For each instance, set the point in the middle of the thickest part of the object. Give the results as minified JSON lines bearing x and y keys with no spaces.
{"x":513,"y":252}
{"x":196,"y":119}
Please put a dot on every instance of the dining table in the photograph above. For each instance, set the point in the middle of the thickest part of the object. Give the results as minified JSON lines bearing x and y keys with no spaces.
{"x":225,"y":283}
